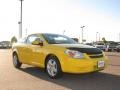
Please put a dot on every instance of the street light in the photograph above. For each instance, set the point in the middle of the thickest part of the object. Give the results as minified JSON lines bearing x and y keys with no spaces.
{"x":82,"y":33}
{"x":119,"y":37}
{"x":20,"y":22}
{"x":64,"y":32}
{"x":26,"y":32}
{"x":99,"y":36}
{"x":96,"y":36}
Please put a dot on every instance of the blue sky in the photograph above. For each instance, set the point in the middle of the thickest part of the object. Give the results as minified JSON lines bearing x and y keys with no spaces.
{"x":55,"y":16}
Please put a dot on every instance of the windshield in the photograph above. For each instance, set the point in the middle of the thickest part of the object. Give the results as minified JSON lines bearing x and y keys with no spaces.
{"x":58,"y":39}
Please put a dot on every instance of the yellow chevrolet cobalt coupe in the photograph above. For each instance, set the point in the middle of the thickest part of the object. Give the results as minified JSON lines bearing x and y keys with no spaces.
{"x":57,"y":54}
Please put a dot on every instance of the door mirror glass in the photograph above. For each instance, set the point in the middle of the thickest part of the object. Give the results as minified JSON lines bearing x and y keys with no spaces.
{"x":37,"y":41}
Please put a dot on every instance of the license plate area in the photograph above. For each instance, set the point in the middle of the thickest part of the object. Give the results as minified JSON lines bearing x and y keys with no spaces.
{"x":100,"y":64}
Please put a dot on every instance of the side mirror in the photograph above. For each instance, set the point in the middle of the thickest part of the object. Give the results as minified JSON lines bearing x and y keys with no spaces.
{"x":37,"y":41}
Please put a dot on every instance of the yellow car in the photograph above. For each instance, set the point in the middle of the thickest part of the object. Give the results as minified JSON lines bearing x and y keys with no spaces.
{"x":57,"y":54}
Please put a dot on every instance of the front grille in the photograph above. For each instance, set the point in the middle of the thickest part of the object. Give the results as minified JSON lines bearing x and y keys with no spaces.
{"x":89,"y":51}
{"x":96,"y":56}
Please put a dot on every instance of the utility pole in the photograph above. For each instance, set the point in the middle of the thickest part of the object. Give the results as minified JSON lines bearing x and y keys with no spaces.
{"x":26,"y":32}
{"x":63,"y":32}
{"x":99,"y":36}
{"x":82,"y":33}
{"x":96,"y":36}
{"x":20,"y":22}
{"x":119,"y":36}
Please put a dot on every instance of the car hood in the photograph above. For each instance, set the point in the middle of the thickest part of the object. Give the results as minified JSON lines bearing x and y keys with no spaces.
{"x":81,"y":48}
{"x":74,"y":45}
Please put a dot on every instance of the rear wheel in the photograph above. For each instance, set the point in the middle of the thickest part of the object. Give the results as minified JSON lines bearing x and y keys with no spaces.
{"x":16,"y":62}
{"x":53,"y":67}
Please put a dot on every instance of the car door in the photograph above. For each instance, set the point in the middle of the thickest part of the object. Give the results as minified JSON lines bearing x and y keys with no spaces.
{"x":34,"y":53}
{"x":38,"y":53}
{"x":27,"y":50}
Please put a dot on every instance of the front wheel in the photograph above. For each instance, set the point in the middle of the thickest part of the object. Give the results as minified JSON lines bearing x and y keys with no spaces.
{"x":16,"y":62}
{"x":53,"y":67}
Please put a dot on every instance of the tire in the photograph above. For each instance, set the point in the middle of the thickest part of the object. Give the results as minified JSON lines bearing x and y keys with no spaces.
{"x":53,"y":67}
{"x":16,"y":62}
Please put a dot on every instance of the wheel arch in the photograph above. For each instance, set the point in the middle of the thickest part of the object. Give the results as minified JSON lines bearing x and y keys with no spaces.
{"x":14,"y":52}
{"x":49,"y":55}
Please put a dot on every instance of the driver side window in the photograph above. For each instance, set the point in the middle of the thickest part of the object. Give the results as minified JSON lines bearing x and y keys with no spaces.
{"x":31,"y":38}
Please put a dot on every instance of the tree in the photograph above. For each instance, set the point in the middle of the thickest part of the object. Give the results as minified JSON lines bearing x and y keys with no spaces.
{"x":13,"y":40}
{"x":104,"y":40}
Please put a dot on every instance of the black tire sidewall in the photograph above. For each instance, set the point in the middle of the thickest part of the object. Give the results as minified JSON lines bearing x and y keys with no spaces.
{"x":18,"y":64}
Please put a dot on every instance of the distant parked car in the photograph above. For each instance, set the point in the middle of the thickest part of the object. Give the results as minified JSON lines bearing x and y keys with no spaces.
{"x":76,"y":39}
{"x":90,"y":44}
{"x":5,"y":44}
{"x":118,"y":48}
{"x":111,"y":46}
{"x":101,"y":46}
{"x":1,"y":45}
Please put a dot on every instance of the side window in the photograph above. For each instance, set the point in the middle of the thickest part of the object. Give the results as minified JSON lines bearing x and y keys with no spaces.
{"x":31,"y":38}
{"x":22,"y":40}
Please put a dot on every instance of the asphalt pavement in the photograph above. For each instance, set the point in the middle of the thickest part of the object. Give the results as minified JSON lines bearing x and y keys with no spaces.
{"x":33,"y":78}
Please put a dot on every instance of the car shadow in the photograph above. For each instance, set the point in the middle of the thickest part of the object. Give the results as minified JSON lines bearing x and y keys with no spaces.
{"x":91,"y":81}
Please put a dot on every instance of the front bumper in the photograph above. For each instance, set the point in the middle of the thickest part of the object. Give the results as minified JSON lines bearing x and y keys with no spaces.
{"x":83,"y":65}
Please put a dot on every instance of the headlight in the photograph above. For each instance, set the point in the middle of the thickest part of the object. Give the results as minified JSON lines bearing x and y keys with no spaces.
{"x":74,"y":54}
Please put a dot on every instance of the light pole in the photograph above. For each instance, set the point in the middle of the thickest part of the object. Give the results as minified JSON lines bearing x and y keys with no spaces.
{"x":26,"y":32}
{"x":119,"y":36}
{"x":96,"y":36}
{"x":63,"y":32}
{"x":99,"y":36}
{"x":20,"y":22}
{"x":82,"y":33}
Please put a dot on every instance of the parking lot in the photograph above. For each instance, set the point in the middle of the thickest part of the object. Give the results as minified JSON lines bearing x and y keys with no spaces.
{"x":32,"y":78}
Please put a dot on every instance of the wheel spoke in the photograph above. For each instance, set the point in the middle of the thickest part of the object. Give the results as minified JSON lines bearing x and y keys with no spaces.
{"x":55,"y":69}
{"x":48,"y":66}
{"x":52,"y":72}
{"x":51,"y":62}
{"x":54,"y":63}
